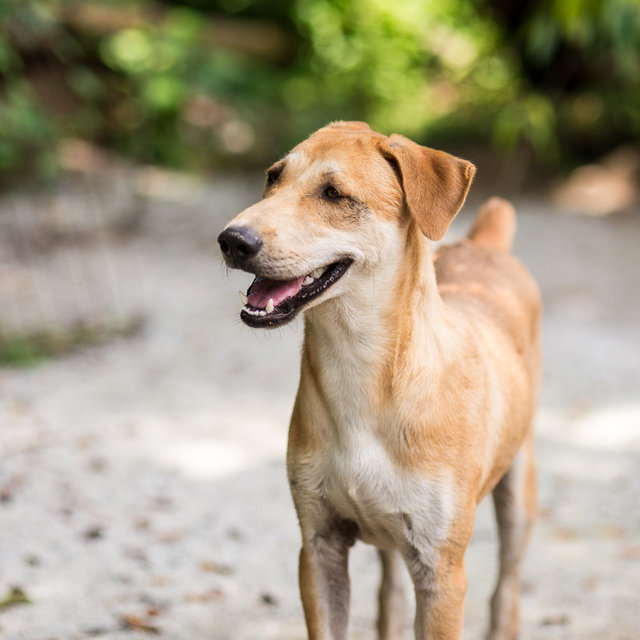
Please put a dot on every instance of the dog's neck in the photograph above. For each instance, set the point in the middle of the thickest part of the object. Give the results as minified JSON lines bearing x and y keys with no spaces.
{"x":359,"y":339}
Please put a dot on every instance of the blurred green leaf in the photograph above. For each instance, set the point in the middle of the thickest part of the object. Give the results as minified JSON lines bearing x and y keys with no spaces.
{"x":129,"y":50}
{"x":163,"y":92}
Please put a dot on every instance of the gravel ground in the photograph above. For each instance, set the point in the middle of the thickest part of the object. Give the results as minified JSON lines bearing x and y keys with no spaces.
{"x":143,"y":489}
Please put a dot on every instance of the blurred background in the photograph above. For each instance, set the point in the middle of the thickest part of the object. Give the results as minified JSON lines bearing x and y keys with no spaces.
{"x":196,"y":84}
{"x":143,"y":427}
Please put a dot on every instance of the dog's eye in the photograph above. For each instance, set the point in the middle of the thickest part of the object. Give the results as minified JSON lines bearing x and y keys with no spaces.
{"x":332,"y":193}
{"x":272,"y":176}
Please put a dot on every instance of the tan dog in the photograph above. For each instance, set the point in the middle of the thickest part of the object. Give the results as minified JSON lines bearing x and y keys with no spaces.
{"x":419,"y":371}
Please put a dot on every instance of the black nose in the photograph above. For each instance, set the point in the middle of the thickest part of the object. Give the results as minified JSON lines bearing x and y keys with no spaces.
{"x":239,"y":244}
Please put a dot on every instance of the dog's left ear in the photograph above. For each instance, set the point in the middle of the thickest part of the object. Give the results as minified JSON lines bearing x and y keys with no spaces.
{"x":435,"y":183}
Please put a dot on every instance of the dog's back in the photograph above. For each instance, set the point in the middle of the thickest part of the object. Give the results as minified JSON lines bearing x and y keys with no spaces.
{"x":482,"y":279}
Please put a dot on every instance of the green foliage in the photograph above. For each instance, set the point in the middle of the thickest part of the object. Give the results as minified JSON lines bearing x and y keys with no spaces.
{"x":26,"y":132}
{"x":29,"y":349}
{"x":600,"y":100}
{"x":168,"y":83}
{"x":431,"y":70}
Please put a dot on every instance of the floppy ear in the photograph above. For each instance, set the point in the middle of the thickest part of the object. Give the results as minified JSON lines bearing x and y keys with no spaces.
{"x":435,"y":184}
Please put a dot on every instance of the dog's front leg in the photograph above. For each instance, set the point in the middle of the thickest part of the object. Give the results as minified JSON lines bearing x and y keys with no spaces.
{"x":324,"y":580}
{"x":440,"y":593}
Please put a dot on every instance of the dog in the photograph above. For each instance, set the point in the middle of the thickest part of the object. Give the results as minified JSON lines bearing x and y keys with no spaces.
{"x":419,"y":372}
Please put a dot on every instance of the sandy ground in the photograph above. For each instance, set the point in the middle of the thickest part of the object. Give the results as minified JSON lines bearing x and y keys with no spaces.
{"x":142,"y":484}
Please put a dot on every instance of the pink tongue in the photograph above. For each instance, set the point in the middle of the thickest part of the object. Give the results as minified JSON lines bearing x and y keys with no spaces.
{"x":278,"y":290}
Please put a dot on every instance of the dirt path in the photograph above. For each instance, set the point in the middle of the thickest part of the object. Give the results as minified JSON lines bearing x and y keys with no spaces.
{"x":143,"y":487}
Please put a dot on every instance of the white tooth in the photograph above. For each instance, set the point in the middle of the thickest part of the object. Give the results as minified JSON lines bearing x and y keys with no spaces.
{"x":307,"y":280}
{"x":242,"y":297}
{"x":262,"y":313}
{"x":269,"y":307}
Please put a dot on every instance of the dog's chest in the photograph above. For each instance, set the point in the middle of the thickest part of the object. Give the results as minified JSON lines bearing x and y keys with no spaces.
{"x":391,"y":506}
{"x":354,"y":472}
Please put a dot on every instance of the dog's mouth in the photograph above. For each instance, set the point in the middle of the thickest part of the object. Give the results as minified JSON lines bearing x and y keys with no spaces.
{"x":271,"y":303}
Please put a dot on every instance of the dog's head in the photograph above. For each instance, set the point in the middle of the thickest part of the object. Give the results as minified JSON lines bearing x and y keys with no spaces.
{"x":334,"y":209}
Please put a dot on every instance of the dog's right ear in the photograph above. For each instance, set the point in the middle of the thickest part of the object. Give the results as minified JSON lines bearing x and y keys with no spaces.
{"x":435,"y":183}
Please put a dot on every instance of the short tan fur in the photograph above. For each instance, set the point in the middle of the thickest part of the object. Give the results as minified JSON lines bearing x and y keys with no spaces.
{"x":419,"y":375}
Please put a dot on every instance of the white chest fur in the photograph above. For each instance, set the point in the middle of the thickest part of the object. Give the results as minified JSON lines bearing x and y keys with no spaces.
{"x":392,"y":507}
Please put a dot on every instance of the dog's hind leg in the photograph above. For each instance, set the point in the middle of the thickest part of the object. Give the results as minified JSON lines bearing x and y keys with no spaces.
{"x":391,"y":597}
{"x":514,"y":499}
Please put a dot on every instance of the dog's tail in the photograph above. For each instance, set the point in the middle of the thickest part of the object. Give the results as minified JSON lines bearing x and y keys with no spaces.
{"x":495,"y":225}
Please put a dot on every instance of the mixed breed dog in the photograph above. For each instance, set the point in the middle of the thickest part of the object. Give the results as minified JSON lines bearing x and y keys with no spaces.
{"x":419,"y":374}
